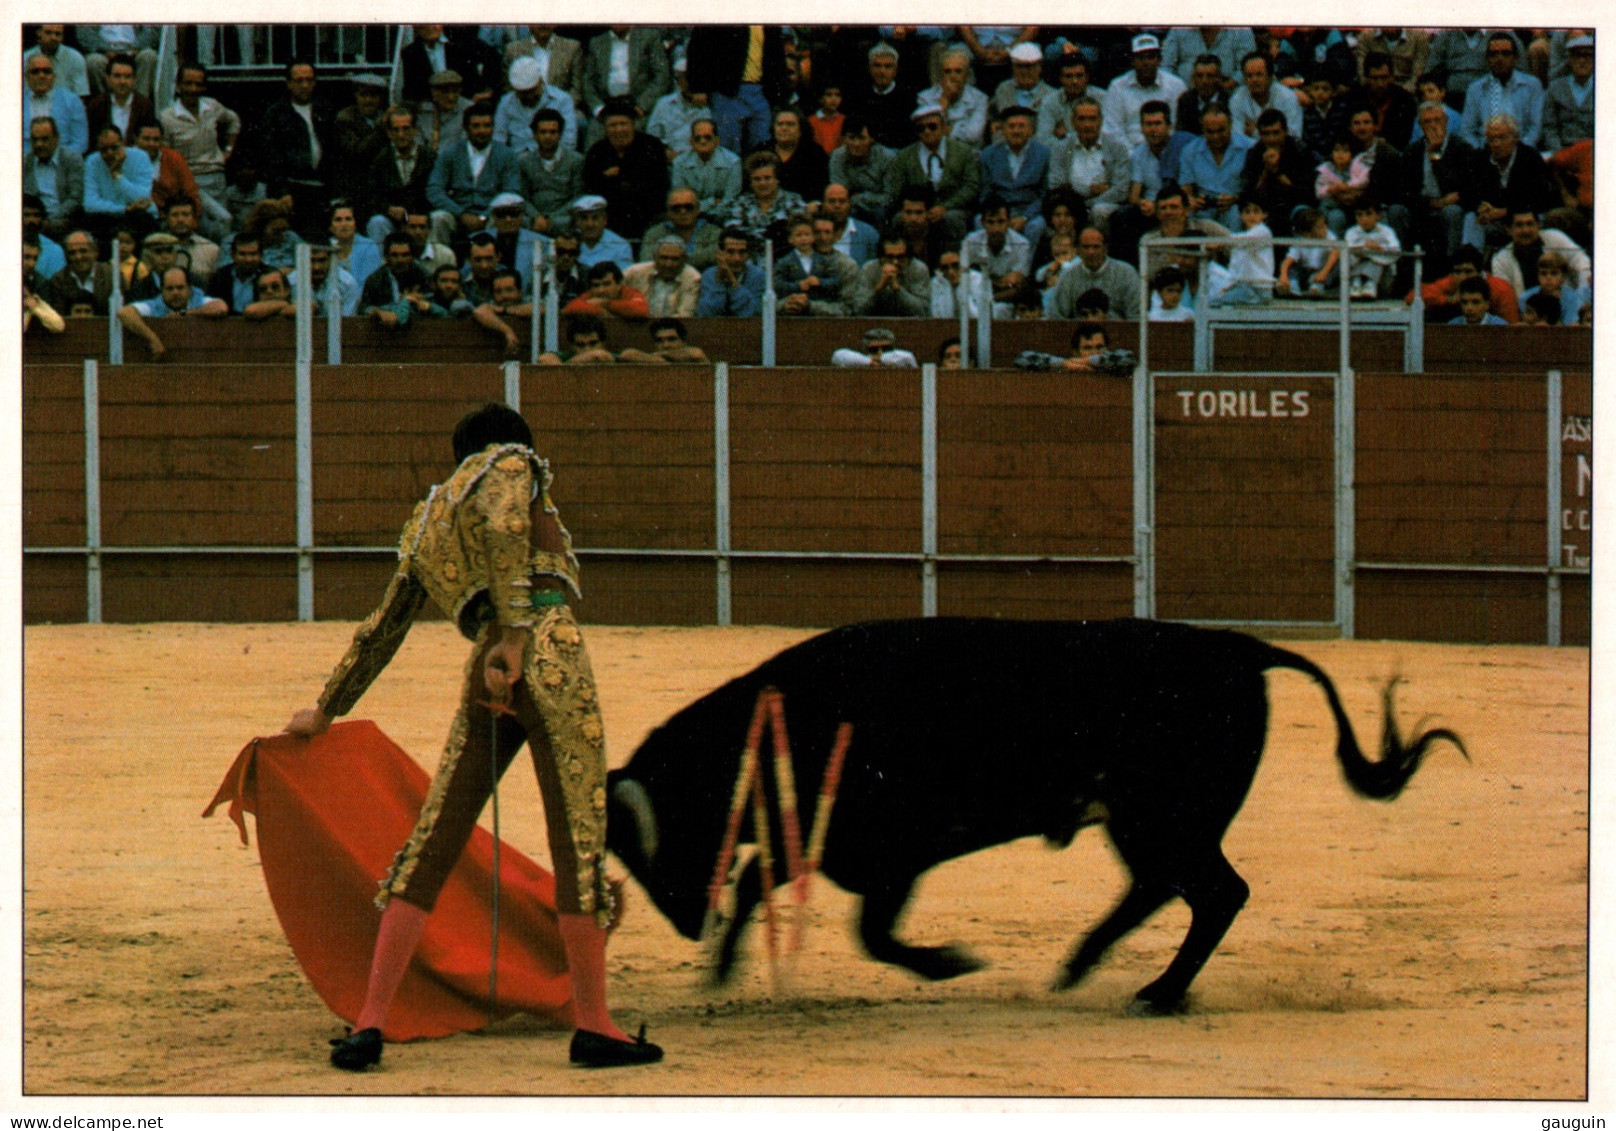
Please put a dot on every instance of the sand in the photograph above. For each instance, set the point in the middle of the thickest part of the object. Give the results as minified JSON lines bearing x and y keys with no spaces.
{"x":1434,"y":947}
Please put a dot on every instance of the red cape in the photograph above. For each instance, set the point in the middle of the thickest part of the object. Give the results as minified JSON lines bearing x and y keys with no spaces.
{"x":332,"y":811}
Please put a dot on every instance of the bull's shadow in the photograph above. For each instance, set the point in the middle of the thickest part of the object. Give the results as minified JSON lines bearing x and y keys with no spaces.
{"x":968,"y":733}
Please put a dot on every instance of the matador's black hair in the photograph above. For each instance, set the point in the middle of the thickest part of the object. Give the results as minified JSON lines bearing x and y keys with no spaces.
{"x":493,"y":423}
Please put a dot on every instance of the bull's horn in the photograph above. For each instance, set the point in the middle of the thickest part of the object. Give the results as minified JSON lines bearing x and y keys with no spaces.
{"x":631,"y":794}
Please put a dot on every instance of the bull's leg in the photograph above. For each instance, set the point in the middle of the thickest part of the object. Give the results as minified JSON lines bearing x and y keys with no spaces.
{"x":1141,"y":901}
{"x":1215,"y":893}
{"x":879,"y":916}
{"x":748,"y":894}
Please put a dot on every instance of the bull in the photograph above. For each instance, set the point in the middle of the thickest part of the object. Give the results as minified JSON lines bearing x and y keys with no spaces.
{"x":969,"y":733}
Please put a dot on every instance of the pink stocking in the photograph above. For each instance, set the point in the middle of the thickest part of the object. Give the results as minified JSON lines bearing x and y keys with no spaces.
{"x":402,"y":924}
{"x":585,"y":943}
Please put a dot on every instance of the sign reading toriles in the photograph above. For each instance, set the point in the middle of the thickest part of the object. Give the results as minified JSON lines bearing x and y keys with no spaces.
{"x":1253,"y":404}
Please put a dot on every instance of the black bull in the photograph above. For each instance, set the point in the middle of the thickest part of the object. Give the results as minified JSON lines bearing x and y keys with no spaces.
{"x":970,"y":733}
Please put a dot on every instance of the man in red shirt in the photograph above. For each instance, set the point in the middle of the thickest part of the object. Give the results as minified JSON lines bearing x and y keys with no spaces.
{"x":174,"y":180}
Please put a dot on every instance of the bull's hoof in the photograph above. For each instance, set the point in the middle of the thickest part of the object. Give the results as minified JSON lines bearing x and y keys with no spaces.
{"x":939,"y":963}
{"x":1067,"y":977}
{"x":1154,"y":1006}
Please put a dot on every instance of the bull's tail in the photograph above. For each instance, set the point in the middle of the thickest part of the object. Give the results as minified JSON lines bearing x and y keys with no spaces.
{"x":1383,"y":779}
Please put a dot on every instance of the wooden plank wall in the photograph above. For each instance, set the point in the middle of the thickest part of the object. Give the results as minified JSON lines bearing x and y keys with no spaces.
{"x":1245,"y":498}
{"x":53,"y":499}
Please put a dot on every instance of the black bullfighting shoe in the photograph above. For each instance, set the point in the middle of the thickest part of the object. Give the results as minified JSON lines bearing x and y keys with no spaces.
{"x":357,"y":1051}
{"x":595,"y":1050}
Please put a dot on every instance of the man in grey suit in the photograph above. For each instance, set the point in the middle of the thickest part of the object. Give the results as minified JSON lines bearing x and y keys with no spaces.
{"x":551,"y":175}
{"x":55,"y":174}
{"x":466,"y":177}
{"x":1568,"y":105}
{"x":950,"y":167}
{"x":624,"y":62}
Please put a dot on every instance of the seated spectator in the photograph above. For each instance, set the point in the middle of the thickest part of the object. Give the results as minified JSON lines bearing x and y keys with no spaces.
{"x":396,"y":178}
{"x":1392,"y":107}
{"x":567,"y":270}
{"x":272,"y":297}
{"x":1211,"y":169}
{"x":50,"y":41}
{"x":1063,"y":253}
{"x":44,"y":99}
{"x":1151,"y":164}
{"x":467,"y":176}
{"x":158,"y":252}
{"x":676,"y":112}
{"x":1551,"y":283}
{"x":550,"y":173}
{"x":34,"y":306}
{"x":686,"y":224}
{"x":825,"y":123}
{"x":1097,"y":269}
{"x":119,"y":105}
{"x":1433,"y":87}
{"x":927,"y":238}
{"x":1168,"y":288}
{"x":1441,"y":296}
{"x":1325,"y":116}
{"x":1512,"y":177}
{"x":118,"y":185}
{"x":1015,"y":168}
{"x":762,"y":208}
{"x":1091,"y":353}
{"x":895,"y":285}
{"x":608,"y":298}
{"x":1407,"y":49}
{"x":733,"y":286}
{"x":514,"y":119}
{"x":1568,"y":104}
{"x":513,"y":240}
{"x":1097,"y":166}
{"x":945,"y":287}
{"x":1025,"y":87}
{"x":1504,"y":90}
{"x":881,"y":99}
{"x":322,"y":281}
{"x":135,"y":279}
{"x":671,"y":286}
{"x":84,"y":279}
{"x":597,"y":242}
{"x":398,"y":275}
{"x":1572,"y":170}
{"x":1055,"y":113}
{"x":1337,"y":185}
{"x":1209,"y":85}
{"x":1147,"y":83}
{"x":1517,"y":262}
{"x":861,"y":166}
{"x":803,"y":168}
{"x":101,"y":43}
{"x":447,"y":300}
{"x":880,"y":351}
{"x":178,"y":299}
{"x":1372,"y":251}
{"x":950,"y":354}
{"x":51,"y":257}
{"x":359,"y":255}
{"x":1541,"y":310}
{"x":1473,"y":304}
{"x":1173,"y":221}
{"x":1309,"y":271}
{"x":1383,"y":161}
{"x":1260,"y":92}
{"x":1278,"y":172}
{"x":429,"y":254}
{"x":1000,"y":252}
{"x":668,"y":346}
{"x":482,"y":264}
{"x":270,"y":222}
{"x":805,"y":281}
{"x":1437,"y":178}
{"x":585,"y":337}
{"x":54,"y":175}
{"x":358,"y":134}
{"x":844,"y":268}
{"x":709,"y":170}
{"x":200,"y":255}
{"x":173,"y":180}
{"x":233,"y":280}
{"x":853,"y":237}
{"x":628,"y":169}
{"x":507,"y":300}
{"x":441,"y":118}
{"x":1064,"y":214}
{"x":204,"y":132}
{"x":950,"y":169}
{"x":965,"y":107}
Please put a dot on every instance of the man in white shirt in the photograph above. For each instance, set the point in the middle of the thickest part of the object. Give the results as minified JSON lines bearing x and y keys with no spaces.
{"x":674,"y":114}
{"x":203,"y":131}
{"x":965,"y":108}
{"x":1260,"y":92}
{"x":1146,"y":83}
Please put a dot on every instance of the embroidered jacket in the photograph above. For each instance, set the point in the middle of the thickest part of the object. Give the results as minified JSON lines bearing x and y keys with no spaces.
{"x":473,"y":546}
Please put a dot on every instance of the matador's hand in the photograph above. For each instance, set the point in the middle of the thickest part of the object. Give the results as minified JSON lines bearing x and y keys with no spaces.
{"x":503,"y":665}
{"x":309,"y":722}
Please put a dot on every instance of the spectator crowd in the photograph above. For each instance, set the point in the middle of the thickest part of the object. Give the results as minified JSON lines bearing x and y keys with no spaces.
{"x":664,"y":173}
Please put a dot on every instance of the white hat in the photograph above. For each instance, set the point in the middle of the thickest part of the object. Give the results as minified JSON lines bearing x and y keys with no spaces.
{"x":681,"y":65}
{"x":526,"y":73}
{"x":1577,"y":41}
{"x":926,"y":110}
{"x":506,"y":200}
{"x":589,"y":204}
{"x":370,"y":80}
{"x":1146,"y":42}
{"x":1026,"y":53}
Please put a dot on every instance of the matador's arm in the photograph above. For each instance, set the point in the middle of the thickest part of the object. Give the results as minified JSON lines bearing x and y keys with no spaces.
{"x":374,"y":644}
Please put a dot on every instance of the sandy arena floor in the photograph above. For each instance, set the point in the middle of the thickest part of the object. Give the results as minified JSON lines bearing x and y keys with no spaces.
{"x":1434,"y":947}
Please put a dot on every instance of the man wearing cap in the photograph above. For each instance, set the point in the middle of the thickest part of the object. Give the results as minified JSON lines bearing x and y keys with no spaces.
{"x":468,"y":175}
{"x":685,"y":223}
{"x":879,"y":351}
{"x":674,"y":114}
{"x":557,"y":56}
{"x":950,"y":167}
{"x":529,"y":93}
{"x":178,"y":298}
{"x":597,"y":242}
{"x":439,"y":118}
{"x":671,"y":286}
{"x":1025,"y":87}
{"x":628,"y":168}
{"x":707,"y":169}
{"x":551,"y":174}
{"x":1568,"y":104}
{"x":1146,"y":83}
{"x":359,"y":133}
{"x":513,"y":239}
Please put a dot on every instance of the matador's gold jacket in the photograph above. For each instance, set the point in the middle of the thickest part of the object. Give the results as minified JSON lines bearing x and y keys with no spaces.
{"x":474,"y":546}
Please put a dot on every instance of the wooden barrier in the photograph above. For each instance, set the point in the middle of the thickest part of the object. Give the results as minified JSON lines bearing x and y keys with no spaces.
{"x":824,"y":491}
